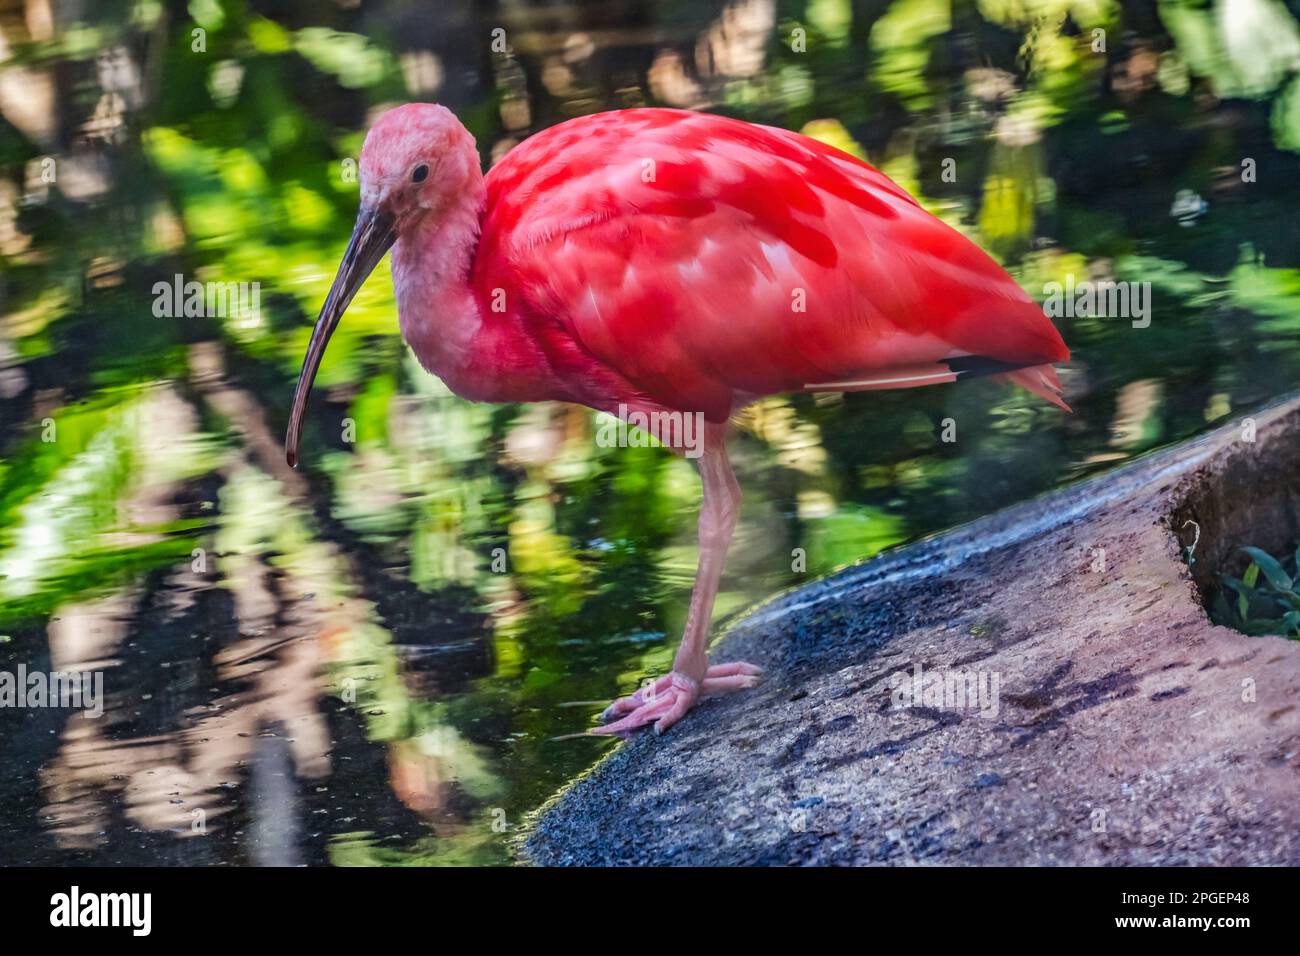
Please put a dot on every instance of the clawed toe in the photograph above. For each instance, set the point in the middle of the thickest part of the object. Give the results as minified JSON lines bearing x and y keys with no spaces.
{"x":626,"y":705}
{"x":666,"y":700}
{"x":715,"y":686}
{"x":734,"y":667}
{"x":662,"y":703}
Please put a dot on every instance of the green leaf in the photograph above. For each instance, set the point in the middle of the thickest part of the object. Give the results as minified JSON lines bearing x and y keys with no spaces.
{"x":1251,"y":575}
{"x":1239,"y":587}
{"x":1272,"y":569}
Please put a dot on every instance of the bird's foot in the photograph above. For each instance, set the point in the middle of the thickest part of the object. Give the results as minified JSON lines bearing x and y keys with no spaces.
{"x":667,"y":700}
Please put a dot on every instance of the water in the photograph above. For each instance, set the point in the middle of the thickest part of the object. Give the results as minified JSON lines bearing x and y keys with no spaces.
{"x":370,"y":660}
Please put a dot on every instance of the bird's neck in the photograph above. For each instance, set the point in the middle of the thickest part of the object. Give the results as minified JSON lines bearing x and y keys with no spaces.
{"x":470,"y":334}
{"x":437,"y":311}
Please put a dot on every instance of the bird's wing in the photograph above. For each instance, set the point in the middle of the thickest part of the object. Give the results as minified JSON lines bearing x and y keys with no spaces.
{"x":707,"y":260}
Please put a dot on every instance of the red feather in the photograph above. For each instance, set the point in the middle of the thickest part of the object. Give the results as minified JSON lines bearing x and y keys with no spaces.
{"x":705,"y":261}
{"x":694,"y":262}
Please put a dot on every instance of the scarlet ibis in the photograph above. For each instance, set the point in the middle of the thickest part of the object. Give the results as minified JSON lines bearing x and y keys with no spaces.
{"x":656,"y":264}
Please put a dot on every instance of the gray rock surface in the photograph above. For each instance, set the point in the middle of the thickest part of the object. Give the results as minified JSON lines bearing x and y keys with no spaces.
{"x":1125,"y":728}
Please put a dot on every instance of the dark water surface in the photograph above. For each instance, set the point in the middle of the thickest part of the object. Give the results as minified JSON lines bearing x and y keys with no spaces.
{"x":367,"y":661}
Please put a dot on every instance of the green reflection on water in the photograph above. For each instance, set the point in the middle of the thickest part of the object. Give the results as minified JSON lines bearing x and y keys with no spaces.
{"x":412,"y":614}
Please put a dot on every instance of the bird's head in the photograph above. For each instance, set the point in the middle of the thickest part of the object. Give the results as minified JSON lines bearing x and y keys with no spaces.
{"x":416,"y":161}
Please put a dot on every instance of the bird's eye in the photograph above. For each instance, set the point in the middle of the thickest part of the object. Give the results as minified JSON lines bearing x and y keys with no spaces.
{"x":420,"y":173}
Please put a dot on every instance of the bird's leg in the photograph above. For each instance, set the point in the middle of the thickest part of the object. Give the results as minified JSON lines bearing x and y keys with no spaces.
{"x":664,"y":702}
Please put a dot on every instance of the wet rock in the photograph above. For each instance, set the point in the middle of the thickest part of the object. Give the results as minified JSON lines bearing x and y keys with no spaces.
{"x":1041,"y":686}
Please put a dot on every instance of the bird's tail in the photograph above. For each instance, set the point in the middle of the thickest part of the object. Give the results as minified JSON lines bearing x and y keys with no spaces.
{"x":1042,"y":380}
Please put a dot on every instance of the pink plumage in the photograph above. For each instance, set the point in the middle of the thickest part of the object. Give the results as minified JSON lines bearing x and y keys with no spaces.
{"x":705,"y":261}
{"x":653,"y":260}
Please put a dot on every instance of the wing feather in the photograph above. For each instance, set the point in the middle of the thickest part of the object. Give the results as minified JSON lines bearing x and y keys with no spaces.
{"x":704,"y":261}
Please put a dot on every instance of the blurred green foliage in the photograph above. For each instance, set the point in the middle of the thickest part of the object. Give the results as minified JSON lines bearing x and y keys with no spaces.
{"x":1264,"y":599}
{"x":483,"y":566}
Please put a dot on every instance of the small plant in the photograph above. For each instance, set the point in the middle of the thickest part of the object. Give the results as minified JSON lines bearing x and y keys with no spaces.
{"x":1264,"y":600}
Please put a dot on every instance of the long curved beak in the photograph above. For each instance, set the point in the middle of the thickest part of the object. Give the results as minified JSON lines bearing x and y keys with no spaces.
{"x":372,"y":236}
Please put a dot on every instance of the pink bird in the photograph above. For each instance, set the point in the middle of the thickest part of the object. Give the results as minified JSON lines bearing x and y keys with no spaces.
{"x":657,"y":264}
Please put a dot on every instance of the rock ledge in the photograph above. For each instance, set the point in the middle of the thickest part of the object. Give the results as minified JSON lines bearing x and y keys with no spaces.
{"x":1125,"y":728}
